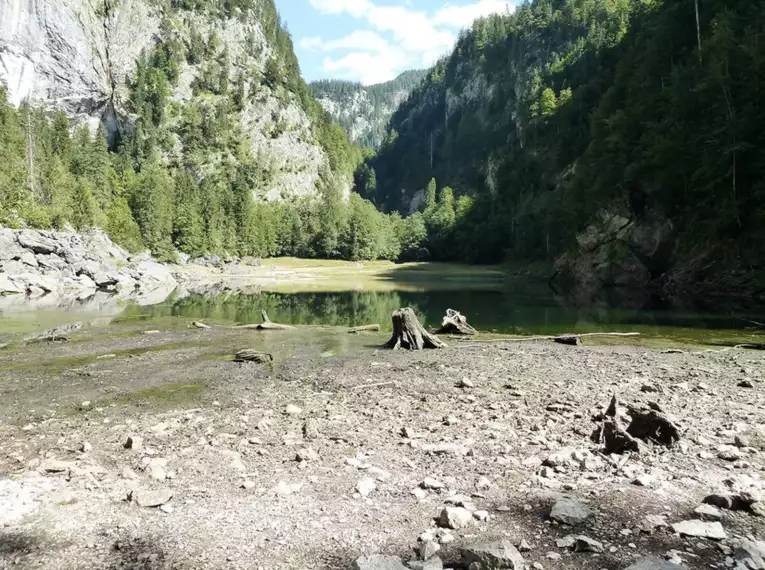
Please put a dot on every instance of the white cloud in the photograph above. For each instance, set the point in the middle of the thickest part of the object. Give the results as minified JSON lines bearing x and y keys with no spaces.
{"x":462,"y":16}
{"x":417,"y":38}
{"x":363,"y":40}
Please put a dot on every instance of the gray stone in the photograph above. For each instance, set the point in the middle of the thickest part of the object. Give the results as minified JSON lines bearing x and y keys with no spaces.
{"x":701,"y":529}
{"x":36,"y":242}
{"x":378,"y":562}
{"x":584,"y":543}
{"x":28,"y":258}
{"x":133,"y":442}
{"x":292,"y":410}
{"x":570,"y":511}
{"x":757,"y":509}
{"x":430,"y":483}
{"x":150,"y":498}
{"x":654,"y":563}
{"x":751,"y":553}
{"x":366,"y":486}
{"x":311,"y":429}
{"x":708,"y":512}
{"x":428,"y":549}
{"x":455,"y":517}
{"x":493,"y":555}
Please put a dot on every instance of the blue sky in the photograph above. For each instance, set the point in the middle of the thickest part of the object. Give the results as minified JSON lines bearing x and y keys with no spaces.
{"x":374,"y":40}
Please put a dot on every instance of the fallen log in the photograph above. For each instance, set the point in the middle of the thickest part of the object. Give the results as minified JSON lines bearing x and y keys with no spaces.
{"x":409,"y":334}
{"x":455,"y":323}
{"x":200,"y":325}
{"x":250,"y":355}
{"x":266,"y":325}
{"x":561,"y":338}
{"x":364,"y":328}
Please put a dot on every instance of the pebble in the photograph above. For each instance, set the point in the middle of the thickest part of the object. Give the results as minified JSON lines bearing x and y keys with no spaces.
{"x":311,"y":429}
{"x":430,"y":483}
{"x":86,"y":447}
{"x":482,"y":516}
{"x":248,"y":485}
{"x":428,"y":549}
{"x":483,"y":484}
{"x":366,"y":486}
{"x":419,"y":493}
{"x":524,"y":546}
{"x":306,"y":454}
{"x":150,"y":498}
{"x":455,"y":517}
{"x":465,"y":383}
{"x":745,"y":384}
{"x":293,"y":410}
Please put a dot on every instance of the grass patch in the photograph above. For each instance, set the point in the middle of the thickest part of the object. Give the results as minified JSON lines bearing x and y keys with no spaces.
{"x":175,"y":394}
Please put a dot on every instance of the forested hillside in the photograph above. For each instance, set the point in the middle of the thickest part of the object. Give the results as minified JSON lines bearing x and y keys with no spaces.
{"x":364,"y":112}
{"x":618,"y":133}
{"x":209,"y":142}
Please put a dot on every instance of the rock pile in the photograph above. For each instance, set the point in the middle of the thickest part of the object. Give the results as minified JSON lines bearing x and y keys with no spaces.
{"x":67,"y":264}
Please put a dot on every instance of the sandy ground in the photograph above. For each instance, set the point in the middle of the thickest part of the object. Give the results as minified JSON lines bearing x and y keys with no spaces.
{"x":220,"y":438}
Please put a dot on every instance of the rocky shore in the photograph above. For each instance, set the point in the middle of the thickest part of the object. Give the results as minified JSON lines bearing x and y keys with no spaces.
{"x":68,"y":265}
{"x":164,"y":453}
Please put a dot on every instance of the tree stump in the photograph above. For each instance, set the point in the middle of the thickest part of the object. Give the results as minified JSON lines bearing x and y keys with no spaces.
{"x":653,"y":425}
{"x":409,"y":334}
{"x":455,"y":323}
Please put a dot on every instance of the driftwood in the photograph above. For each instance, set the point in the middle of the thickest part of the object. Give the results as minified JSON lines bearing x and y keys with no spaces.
{"x":408,"y":333}
{"x":249,"y":355}
{"x":266,"y":325}
{"x":200,"y":325}
{"x":364,"y":328}
{"x":571,"y":339}
{"x":455,"y":323}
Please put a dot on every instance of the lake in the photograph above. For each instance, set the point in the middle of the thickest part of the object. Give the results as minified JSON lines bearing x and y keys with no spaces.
{"x":492,"y":302}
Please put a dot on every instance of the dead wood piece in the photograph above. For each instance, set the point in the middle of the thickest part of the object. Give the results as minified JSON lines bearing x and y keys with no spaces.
{"x":200,"y":325}
{"x":266,"y":325}
{"x":612,"y":407}
{"x":616,"y":440}
{"x":249,"y":355}
{"x":569,"y":339}
{"x":409,"y":334}
{"x":364,"y":328}
{"x":455,"y":323}
{"x":653,"y":425}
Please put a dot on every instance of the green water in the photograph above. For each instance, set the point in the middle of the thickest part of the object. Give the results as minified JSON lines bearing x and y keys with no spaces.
{"x":519,"y":310}
{"x":522,"y":308}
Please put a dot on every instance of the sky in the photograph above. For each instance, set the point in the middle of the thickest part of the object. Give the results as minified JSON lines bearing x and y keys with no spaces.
{"x":372,"y":41}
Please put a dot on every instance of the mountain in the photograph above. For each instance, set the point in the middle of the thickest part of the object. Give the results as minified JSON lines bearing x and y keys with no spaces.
{"x":621,"y":140}
{"x":363,"y":112}
{"x":177,"y":125}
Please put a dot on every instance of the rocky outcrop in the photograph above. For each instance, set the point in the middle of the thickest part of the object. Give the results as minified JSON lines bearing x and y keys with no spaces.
{"x":616,"y":256}
{"x":63,"y":265}
{"x":79,"y":56}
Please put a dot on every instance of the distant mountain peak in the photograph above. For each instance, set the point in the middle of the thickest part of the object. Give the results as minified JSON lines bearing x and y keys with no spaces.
{"x":364,"y":111}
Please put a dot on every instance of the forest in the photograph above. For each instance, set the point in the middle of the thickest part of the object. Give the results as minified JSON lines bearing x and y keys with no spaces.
{"x":542,"y":120}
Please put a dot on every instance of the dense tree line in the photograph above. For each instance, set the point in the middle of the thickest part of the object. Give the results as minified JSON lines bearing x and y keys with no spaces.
{"x":183,"y":176}
{"x":566,"y":108}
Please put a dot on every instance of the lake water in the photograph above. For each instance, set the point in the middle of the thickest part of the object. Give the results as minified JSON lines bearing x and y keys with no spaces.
{"x":491,"y":305}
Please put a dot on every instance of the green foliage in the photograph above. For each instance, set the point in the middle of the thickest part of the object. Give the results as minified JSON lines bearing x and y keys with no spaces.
{"x":570,"y":108}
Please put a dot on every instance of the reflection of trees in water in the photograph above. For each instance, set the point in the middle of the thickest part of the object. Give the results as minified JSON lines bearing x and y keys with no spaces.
{"x":334,"y":309}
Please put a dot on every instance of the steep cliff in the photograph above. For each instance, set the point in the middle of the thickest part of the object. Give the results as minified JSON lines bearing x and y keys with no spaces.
{"x":556,"y":122}
{"x":81,"y":56}
{"x":364,"y":111}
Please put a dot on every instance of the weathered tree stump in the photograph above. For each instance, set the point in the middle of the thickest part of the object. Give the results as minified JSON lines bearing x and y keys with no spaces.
{"x":455,"y":323}
{"x":409,"y":334}
{"x":616,"y":440}
{"x":653,"y":425}
{"x":249,"y":355}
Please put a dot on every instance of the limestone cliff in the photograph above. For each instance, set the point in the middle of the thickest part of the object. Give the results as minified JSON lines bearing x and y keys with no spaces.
{"x":80,"y":56}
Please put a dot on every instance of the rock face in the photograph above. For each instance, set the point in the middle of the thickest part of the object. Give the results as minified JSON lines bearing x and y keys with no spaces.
{"x":64,"y":264}
{"x":567,"y":510}
{"x":78,"y":55}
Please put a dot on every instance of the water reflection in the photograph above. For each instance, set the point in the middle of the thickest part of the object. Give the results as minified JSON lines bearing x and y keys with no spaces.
{"x":531,"y":309}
